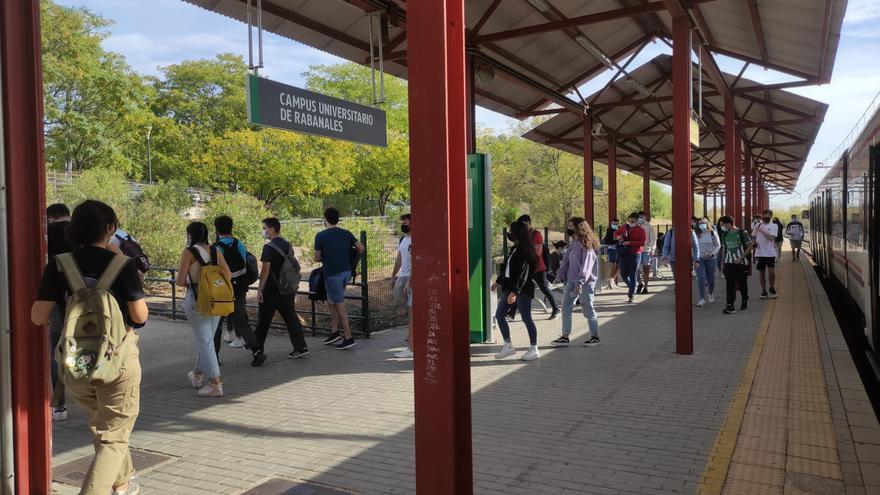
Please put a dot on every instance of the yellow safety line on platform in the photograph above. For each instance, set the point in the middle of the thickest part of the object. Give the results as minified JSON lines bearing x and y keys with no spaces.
{"x":715,"y":474}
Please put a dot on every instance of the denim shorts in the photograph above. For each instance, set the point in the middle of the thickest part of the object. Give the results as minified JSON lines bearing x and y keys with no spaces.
{"x":645,"y":258}
{"x":612,"y":255}
{"x":336,"y":287}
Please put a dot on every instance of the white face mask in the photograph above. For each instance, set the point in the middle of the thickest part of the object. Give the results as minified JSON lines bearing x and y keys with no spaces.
{"x":642,"y":220}
{"x":265,"y":234}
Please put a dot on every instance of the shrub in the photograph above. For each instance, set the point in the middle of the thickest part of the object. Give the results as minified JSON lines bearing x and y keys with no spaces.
{"x":377,"y":254}
{"x":101,"y":184}
{"x":172,"y":194}
{"x":247,"y":214}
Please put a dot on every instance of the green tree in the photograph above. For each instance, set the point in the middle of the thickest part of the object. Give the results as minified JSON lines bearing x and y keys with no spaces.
{"x":247,"y":214}
{"x":383,"y":173}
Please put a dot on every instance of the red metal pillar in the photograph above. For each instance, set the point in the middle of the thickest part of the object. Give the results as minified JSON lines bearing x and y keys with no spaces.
{"x":589,"y":201}
{"x":612,"y":178}
{"x":730,"y":177}
{"x":715,"y":206}
{"x":681,"y":182}
{"x":646,"y":188}
{"x":22,"y":124}
{"x":747,"y":177}
{"x":438,"y":124}
{"x":738,"y":207}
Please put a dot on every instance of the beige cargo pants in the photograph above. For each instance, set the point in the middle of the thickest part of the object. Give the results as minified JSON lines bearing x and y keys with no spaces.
{"x":113,"y":409}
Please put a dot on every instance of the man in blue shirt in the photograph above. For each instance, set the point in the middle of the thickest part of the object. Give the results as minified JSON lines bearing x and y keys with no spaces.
{"x":235,"y":254}
{"x":334,"y":248}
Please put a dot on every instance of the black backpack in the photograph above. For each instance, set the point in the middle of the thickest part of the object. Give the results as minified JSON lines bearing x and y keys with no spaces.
{"x":133,"y":250}
{"x":244,"y":271}
{"x":317,"y":286}
{"x":354,"y":260}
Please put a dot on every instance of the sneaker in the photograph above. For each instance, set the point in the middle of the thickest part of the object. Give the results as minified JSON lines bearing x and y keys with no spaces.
{"x":133,"y":489}
{"x":510,"y":318}
{"x":404,"y":354}
{"x":701,"y":303}
{"x":228,"y":336}
{"x":591,"y":342}
{"x":763,"y":294}
{"x":630,"y":299}
{"x":639,"y":289}
{"x":554,"y":315}
{"x":237,"y":343}
{"x":294,"y":354}
{"x":773,"y":293}
{"x":711,"y":298}
{"x":197,"y":380}
{"x":259,"y":359}
{"x":346,"y":344}
{"x":211,"y":390}
{"x":333,"y":338}
{"x":507,"y":350}
{"x":744,"y":306}
{"x":59,"y":413}
{"x":644,"y":290}
{"x":561,"y":342}
{"x":531,"y":354}
{"x":729,"y":310}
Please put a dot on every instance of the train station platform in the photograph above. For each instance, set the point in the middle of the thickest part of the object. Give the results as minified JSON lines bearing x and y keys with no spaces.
{"x":770,"y":402}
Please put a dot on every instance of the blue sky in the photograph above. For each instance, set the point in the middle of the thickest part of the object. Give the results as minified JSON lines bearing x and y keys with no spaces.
{"x":161,"y":32}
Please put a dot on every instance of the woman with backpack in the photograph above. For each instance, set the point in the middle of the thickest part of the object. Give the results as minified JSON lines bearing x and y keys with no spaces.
{"x":113,"y":405}
{"x":708,"y":246}
{"x":518,"y":288}
{"x":199,"y":255}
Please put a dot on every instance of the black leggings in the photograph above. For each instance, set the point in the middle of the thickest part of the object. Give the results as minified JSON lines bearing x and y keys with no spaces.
{"x":284,"y":306}
{"x":541,"y":281}
{"x":237,"y":321}
{"x":736,"y":275}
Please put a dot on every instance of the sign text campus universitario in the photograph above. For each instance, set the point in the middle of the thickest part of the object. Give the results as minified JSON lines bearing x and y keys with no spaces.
{"x":274,"y":104}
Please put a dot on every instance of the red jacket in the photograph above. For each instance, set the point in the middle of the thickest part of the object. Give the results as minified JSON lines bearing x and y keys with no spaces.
{"x":635,"y":235}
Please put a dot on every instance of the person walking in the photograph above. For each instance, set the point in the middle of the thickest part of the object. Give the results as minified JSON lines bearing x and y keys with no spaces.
{"x":206,"y":375}
{"x":579,"y":272}
{"x":780,"y":230}
{"x":334,"y":247}
{"x":517,"y":287}
{"x":644,"y":269}
{"x":737,"y":245}
{"x":112,"y":407}
{"x":402,"y":274}
{"x":559,"y":248}
{"x":668,"y":251}
{"x":765,"y":235}
{"x":540,"y":274}
{"x":611,"y":242}
{"x":269,"y":295}
{"x":795,"y":231}
{"x":708,"y":245}
{"x":58,"y":218}
{"x":235,"y":253}
{"x":631,"y":239}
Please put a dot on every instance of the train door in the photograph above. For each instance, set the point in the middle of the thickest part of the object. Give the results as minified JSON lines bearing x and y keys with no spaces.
{"x":873,"y":214}
{"x":826,"y":237}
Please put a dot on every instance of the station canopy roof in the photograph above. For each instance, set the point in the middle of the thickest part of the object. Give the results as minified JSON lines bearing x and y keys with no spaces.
{"x":530,"y":54}
{"x":778,"y":126}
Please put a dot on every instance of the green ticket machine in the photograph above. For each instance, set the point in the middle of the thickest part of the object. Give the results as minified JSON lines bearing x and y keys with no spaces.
{"x":479,"y":186}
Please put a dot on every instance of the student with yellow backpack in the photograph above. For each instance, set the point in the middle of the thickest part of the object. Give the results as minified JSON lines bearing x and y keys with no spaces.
{"x":209,"y":296}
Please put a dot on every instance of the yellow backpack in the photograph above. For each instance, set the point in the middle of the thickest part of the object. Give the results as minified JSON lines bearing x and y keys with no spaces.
{"x":214,"y":294}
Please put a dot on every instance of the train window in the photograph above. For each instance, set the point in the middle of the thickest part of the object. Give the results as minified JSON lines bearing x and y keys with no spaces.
{"x":854,"y":217}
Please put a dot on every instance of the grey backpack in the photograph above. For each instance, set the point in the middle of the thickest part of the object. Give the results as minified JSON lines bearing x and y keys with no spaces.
{"x":290,"y":275}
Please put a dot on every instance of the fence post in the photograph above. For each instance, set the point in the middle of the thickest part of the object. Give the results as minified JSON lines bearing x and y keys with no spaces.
{"x":504,"y":242}
{"x":173,"y":294}
{"x":365,"y":292}
{"x":601,"y":232}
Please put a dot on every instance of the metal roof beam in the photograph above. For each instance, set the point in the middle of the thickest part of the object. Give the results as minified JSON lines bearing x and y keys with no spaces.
{"x":758,"y":28}
{"x":304,"y":21}
{"x":485,"y":17}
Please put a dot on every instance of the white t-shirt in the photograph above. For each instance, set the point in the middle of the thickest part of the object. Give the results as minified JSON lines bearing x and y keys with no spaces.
{"x":765,"y":236}
{"x":405,"y":250}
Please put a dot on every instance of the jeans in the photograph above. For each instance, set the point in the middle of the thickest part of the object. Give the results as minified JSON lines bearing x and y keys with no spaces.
{"x":588,"y":296}
{"x":628,"y":264}
{"x":238,"y":320}
{"x":706,"y":276}
{"x":524,"y":303}
{"x":734,"y":275}
{"x":284,"y":305}
{"x":542,"y":283}
{"x":56,"y":326}
{"x":203,"y":328}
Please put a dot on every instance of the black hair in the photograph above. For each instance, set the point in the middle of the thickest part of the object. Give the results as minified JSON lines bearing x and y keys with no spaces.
{"x":633,"y":215}
{"x":726,"y":219}
{"x":331,"y":215}
{"x":520,"y":232}
{"x":90,"y":222}
{"x":223,"y":225}
{"x":57,"y":210}
{"x":560,"y":244}
{"x":273,"y":223}
{"x":406,"y":216}
{"x":524,"y":219}
{"x":198,"y":233}
{"x":641,"y":213}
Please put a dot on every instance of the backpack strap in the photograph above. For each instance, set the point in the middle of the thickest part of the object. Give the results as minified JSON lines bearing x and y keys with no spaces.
{"x":112,"y":271}
{"x":67,"y":265}
{"x":278,"y":249}
{"x":213,"y":254}
{"x":197,"y":255}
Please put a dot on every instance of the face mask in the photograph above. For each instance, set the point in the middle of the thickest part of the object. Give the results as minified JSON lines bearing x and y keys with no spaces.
{"x":631,"y":223}
{"x":642,"y":220}
{"x":793,"y":219}
{"x":704,"y":227}
{"x":265,"y":234}
{"x":767,"y":219}
{"x":570,"y":232}
{"x":405,"y":229}
{"x":511,"y":238}
{"x":615,"y":226}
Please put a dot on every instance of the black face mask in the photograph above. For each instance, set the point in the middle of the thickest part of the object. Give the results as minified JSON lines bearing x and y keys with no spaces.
{"x":767,"y":219}
{"x":570,"y":232}
{"x":511,"y":237}
{"x":405,"y":229}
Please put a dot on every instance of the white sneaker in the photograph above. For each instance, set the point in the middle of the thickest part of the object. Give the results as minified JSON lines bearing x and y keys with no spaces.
{"x":228,"y":336}
{"x":59,"y":414}
{"x":237,"y":343}
{"x":211,"y":390}
{"x":507,"y":350}
{"x":404,"y":354}
{"x":531,"y":354}
{"x":701,"y":303}
{"x":711,"y":298}
{"x":197,"y":380}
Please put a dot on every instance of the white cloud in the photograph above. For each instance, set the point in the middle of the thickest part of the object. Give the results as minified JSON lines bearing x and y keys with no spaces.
{"x":859,"y":11}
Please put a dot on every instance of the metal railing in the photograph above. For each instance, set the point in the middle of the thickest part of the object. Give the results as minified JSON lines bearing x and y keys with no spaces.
{"x":176,"y":312}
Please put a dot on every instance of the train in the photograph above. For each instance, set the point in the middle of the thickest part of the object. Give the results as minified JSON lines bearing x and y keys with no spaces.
{"x":843,"y":226}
